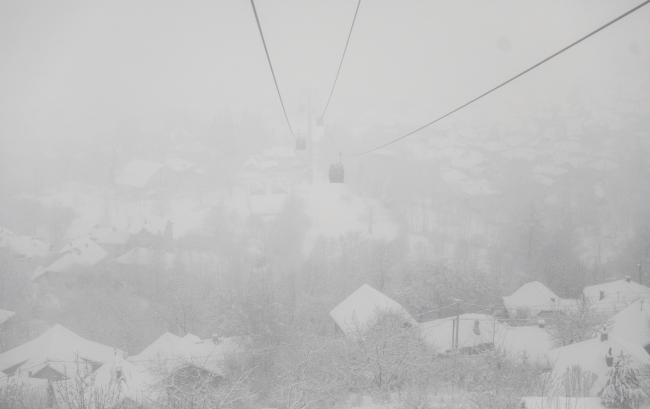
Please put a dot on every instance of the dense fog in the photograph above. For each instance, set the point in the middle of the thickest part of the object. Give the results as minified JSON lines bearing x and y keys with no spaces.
{"x":175,"y":231}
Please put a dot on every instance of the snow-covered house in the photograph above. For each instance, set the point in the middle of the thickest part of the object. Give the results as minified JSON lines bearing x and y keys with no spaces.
{"x":168,"y":348}
{"x":26,"y":246}
{"x":525,"y":344}
{"x":151,"y":231}
{"x":614,"y":296}
{"x":359,"y":310}
{"x":592,"y":356}
{"x":57,"y":352}
{"x":633,"y":324}
{"x":182,"y":174}
{"x":4,"y":232}
{"x":5,"y":315}
{"x":476,"y":332}
{"x":118,"y":380}
{"x":78,"y":253}
{"x":112,"y":239}
{"x":139,"y":176}
{"x":533,"y":298}
{"x":171,"y":354}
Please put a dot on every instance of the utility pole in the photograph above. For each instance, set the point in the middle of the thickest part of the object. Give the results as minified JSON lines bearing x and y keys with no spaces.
{"x":640,"y":272}
{"x":455,"y":329}
{"x":457,"y":322}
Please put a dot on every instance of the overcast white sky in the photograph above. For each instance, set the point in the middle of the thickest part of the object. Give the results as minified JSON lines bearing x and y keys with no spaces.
{"x":408,"y":61}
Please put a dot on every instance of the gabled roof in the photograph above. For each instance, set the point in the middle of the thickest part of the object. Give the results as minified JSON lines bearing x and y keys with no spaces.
{"x":215,"y":352}
{"x":631,"y":324}
{"x":534,"y":296}
{"x":360,"y":308}
{"x":619,"y":291}
{"x":590,"y":355}
{"x":168,"y":347}
{"x":5,"y":232}
{"x":57,"y":348}
{"x":179,"y":165}
{"x":5,"y":315}
{"x":110,"y":236}
{"x":152,"y":224}
{"x":529,"y":343}
{"x":117,"y":378}
{"x":137,"y":173}
{"x":437,"y":333}
{"x":81,"y":252}
{"x":26,"y":246}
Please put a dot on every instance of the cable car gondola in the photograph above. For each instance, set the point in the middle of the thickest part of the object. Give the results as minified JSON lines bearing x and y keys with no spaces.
{"x":301,"y":143}
{"x":336,"y":173}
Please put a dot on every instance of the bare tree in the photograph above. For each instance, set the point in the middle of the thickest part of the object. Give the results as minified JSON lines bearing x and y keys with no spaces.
{"x":311,"y":372}
{"x":195,"y":384}
{"x":387,"y":354}
{"x":80,"y":391}
{"x":576,"y":324}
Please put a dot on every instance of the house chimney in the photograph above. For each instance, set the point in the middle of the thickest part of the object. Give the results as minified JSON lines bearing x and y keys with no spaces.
{"x":541,"y":323}
{"x":604,"y":335}
{"x":215,"y":338}
{"x":602,"y":295}
{"x":609,"y":358}
{"x":628,"y":279}
{"x":477,"y":328}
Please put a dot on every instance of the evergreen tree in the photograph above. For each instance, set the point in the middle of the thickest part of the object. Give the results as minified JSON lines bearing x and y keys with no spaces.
{"x":622,"y":389}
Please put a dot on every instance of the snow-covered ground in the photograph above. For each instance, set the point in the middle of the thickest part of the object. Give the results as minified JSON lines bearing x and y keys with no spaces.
{"x":334,"y":211}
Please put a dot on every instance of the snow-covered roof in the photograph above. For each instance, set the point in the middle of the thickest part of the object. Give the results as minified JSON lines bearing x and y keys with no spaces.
{"x":561,"y":402}
{"x":147,"y":258}
{"x":179,"y":165}
{"x":631,"y":324}
{"x":58,"y":348}
{"x":534,"y":296}
{"x":437,"y":333}
{"x":5,"y":232}
{"x":529,"y":343}
{"x":137,"y":173}
{"x":118,"y":379}
{"x":619,"y":291}
{"x":590,"y":355}
{"x":360,"y":308}
{"x":81,"y":252}
{"x":26,"y":246}
{"x":215,"y":352}
{"x":110,"y":236}
{"x":170,"y":348}
{"x":5,"y":315}
{"x":153,"y":224}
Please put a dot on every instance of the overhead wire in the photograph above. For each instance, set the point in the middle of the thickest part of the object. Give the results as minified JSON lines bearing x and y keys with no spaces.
{"x":259,"y":26}
{"x":341,"y":63}
{"x":507,"y":81}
